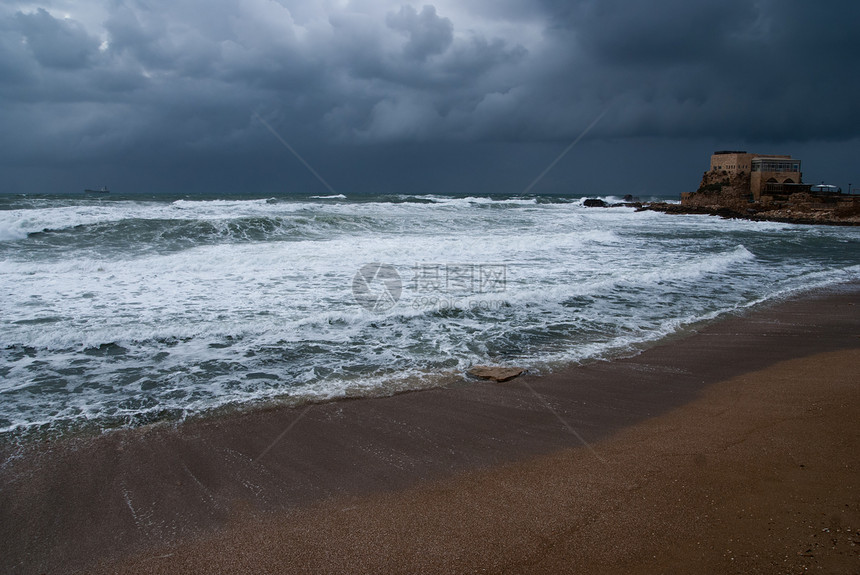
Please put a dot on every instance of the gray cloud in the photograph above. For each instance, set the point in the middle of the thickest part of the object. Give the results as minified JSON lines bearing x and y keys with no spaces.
{"x":56,"y":43}
{"x":144,"y":83}
{"x":428,"y":33}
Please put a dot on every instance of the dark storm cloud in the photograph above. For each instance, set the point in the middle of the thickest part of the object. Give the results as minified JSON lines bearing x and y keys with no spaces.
{"x":767,"y":69}
{"x":56,"y":43}
{"x":144,"y":83}
{"x":631,"y":34}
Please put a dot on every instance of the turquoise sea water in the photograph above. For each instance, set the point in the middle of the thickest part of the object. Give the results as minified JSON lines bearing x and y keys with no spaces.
{"x":119,"y":311}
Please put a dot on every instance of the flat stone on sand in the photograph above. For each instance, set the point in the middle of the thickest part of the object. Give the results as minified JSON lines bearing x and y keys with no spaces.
{"x":499,"y":374}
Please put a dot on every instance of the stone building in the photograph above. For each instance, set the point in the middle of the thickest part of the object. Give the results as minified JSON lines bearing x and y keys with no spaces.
{"x":731,"y":162}
{"x":766,"y":173}
{"x":774,"y":174}
{"x":756,"y":186}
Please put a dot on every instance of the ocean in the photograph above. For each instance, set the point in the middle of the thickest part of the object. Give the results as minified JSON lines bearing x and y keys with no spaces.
{"x":121,"y":311}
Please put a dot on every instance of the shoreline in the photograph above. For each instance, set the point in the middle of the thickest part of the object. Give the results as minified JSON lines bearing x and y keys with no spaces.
{"x":29,"y":437}
{"x":152,"y":488}
{"x":758,"y":475}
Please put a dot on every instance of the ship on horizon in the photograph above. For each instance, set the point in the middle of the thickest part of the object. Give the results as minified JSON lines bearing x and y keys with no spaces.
{"x":103,"y":190}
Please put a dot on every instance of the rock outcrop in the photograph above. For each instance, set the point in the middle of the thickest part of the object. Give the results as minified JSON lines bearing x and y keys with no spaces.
{"x":498,"y":374}
{"x":721,"y":190}
{"x":847,"y":214}
{"x":594,"y":203}
{"x":728,"y":195}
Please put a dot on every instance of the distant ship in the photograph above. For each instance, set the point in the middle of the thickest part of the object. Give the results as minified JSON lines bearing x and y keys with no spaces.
{"x":103,"y":190}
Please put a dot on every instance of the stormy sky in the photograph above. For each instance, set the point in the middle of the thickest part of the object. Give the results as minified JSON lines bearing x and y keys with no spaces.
{"x":476,"y":96}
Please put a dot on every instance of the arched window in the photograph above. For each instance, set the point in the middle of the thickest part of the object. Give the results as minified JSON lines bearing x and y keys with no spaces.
{"x":788,"y":181}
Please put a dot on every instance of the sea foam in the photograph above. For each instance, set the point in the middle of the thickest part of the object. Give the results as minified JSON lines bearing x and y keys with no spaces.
{"x":121,"y":312}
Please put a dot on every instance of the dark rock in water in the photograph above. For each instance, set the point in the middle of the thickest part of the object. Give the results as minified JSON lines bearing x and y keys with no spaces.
{"x":499,"y":374}
{"x":594,"y":203}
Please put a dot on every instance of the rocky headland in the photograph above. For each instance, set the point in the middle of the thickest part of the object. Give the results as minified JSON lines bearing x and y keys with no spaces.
{"x":728,"y":196}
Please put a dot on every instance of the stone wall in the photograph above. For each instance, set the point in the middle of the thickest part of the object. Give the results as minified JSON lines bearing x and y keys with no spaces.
{"x":759,"y":179}
{"x":732,"y":163}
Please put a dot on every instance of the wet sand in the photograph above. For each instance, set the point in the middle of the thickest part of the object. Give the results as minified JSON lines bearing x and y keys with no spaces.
{"x":731,"y":450}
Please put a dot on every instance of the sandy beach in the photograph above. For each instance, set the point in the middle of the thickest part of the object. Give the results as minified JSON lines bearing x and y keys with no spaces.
{"x":731,"y":450}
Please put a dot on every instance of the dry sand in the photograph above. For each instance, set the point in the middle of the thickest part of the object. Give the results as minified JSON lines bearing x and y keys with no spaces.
{"x":734,"y":450}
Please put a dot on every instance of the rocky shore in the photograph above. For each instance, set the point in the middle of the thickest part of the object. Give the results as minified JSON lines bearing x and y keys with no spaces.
{"x":731,"y":194}
{"x":837,"y":210}
{"x":791,"y":214}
